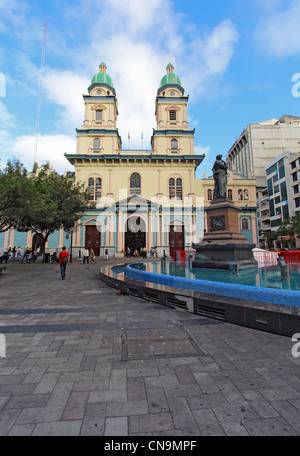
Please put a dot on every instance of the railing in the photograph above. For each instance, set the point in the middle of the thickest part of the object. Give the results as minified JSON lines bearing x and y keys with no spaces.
{"x":291,"y":256}
{"x":265,"y":257}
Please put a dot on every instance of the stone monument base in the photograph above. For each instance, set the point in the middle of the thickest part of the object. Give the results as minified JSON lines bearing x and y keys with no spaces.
{"x":223,"y":245}
{"x":235,"y":256}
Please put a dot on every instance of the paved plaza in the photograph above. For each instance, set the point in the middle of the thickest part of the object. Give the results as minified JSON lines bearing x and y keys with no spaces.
{"x":82,"y":359}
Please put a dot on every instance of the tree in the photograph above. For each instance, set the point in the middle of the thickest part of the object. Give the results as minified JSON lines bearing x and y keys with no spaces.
{"x":295,"y":223}
{"x":55,"y":202}
{"x":270,"y":236}
{"x":14,"y":194}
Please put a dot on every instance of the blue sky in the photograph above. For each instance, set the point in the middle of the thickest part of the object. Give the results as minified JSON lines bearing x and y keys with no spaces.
{"x":236,"y":60}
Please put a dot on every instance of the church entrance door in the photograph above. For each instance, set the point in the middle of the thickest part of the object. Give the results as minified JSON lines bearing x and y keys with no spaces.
{"x":135,"y":234}
{"x":92,"y":238}
{"x":176,"y":238}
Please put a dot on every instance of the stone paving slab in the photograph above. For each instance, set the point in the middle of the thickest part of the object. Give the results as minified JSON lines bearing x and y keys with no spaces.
{"x":83,"y":360}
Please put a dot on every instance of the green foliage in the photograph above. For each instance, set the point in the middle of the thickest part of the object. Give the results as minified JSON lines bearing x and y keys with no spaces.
{"x":42,"y":201}
{"x":14,"y":193}
{"x":56,"y":202}
{"x":295,"y":223}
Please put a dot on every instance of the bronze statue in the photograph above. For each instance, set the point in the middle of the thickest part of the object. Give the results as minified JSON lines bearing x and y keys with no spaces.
{"x":220,"y":176}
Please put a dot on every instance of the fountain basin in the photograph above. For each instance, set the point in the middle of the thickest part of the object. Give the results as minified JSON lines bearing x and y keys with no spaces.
{"x":267,"y":315}
{"x":153,"y":272}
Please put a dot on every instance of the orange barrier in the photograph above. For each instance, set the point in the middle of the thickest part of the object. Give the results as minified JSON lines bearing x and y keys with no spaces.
{"x":291,"y":256}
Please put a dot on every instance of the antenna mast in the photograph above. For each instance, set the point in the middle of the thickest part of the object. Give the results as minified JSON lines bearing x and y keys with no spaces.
{"x":40,"y":93}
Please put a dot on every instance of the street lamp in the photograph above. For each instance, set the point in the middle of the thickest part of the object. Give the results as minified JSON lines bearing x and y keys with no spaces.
{"x":175,"y":240}
{"x":71,"y":246}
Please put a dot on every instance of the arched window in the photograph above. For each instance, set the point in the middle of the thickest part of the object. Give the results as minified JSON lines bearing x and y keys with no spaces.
{"x":135,"y":184}
{"x":174,"y":144}
{"x":97,"y":143}
{"x":245,"y":224}
{"x":230,"y":194}
{"x":95,"y":188}
{"x":246,"y":195}
{"x":209,"y":194}
{"x":91,"y":188}
{"x":240,"y":195}
{"x":98,"y":188}
{"x":175,"y":188}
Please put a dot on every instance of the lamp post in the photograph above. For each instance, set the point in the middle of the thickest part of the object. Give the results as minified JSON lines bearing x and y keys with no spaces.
{"x":71,"y":246}
{"x":175,"y":241}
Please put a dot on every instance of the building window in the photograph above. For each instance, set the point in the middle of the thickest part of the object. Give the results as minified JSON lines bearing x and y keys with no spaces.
{"x":281,"y":169}
{"x":172,"y":115}
{"x":283,"y":190}
{"x":246,"y":195}
{"x":135,"y":184}
{"x":285,"y":212}
{"x":98,"y":115}
{"x":174,"y":144}
{"x":97,"y":143}
{"x":240,"y":195}
{"x":245,"y":224}
{"x":230,"y":194}
{"x":175,"y":188}
{"x":209,"y":195}
{"x":95,"y":188}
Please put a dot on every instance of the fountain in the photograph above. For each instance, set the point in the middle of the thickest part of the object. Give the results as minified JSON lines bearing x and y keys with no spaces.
{"x":224,"y":251}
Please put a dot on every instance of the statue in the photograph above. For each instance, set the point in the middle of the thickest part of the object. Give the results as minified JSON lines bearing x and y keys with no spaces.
{"x":220,"y":176}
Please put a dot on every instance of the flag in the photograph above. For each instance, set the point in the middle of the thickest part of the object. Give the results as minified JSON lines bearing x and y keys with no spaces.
{"x":142,"y":135}
{"x":128,"y":134}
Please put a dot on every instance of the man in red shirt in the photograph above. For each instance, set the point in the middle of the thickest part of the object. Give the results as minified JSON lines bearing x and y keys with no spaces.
{"x":63,"y":261}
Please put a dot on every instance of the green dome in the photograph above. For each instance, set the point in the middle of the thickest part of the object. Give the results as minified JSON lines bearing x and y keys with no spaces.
{"x":102,"y":78}
{"x":170,"y":78}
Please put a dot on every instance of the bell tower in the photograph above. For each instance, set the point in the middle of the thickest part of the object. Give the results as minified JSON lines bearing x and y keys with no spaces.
{"x":172,"y":134}
{"x":99,"y":133}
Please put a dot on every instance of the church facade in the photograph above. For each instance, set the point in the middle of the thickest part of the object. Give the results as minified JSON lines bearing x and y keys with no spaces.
{"x":143,"y":198}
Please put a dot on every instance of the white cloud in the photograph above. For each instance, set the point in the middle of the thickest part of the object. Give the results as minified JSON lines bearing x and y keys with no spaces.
{"x":51,"y":148}
{"x":7,"y":119}
{"x":278,"y":33}
{"x":65,"y":89}
{"x":136,"y":44}
{"x":136,"y":37}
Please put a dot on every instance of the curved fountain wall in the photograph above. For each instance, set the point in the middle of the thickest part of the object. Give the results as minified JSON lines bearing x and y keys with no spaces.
{"x":267,"y":295}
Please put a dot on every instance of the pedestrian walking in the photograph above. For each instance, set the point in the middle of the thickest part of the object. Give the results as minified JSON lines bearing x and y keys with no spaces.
{"x":106,"y":254}
{"x":26,"y":255}
{"x":86,"y":255}
{"x":19,"y":255}
{"x":92,"y":256}
{"x":63,"y":262}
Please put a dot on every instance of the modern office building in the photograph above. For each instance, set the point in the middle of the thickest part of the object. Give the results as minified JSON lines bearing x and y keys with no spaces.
{"x":262,"y":142}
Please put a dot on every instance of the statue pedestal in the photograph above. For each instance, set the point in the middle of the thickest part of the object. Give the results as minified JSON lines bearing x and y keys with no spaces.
{"x":223,"y":245}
